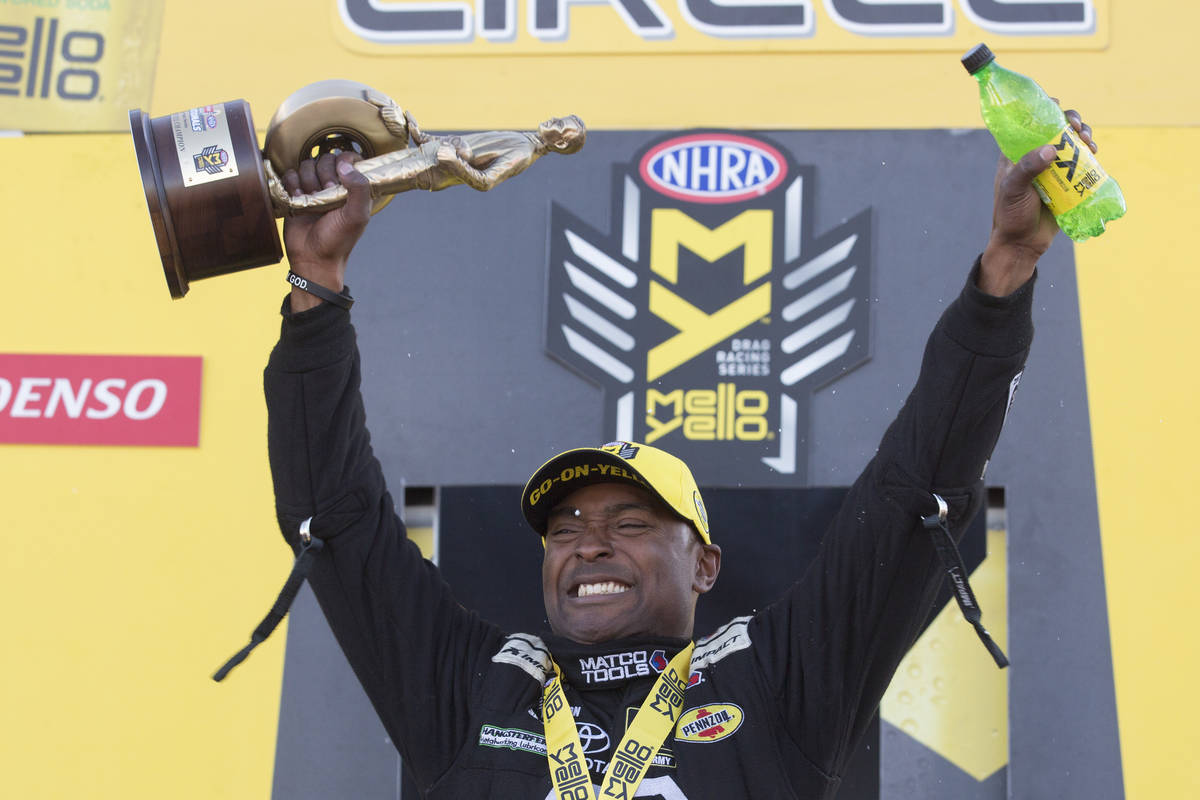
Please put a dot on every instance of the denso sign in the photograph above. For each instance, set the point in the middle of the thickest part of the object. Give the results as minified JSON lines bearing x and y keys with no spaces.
{"x":114,"y":400}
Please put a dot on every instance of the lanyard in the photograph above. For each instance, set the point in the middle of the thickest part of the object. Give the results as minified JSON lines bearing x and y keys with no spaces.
{"x":952,"y":562}
{"x":651,"y":726}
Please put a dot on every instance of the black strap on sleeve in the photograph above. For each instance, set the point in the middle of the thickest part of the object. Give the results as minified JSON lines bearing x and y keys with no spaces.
{"x":309,"y":547}
{"x":341,"y":299}
{"x":952,"y":562}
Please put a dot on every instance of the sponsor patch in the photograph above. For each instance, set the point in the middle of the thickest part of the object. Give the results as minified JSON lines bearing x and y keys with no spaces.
{"x":734,"y":636}
{"x":592,"y":738}
{"x":615,"y":667}
{"x":659,"y":661}
{"x":528,"y":653}
{"x":701,"y":511}
{"x":709,"y":723}
{"x":512,"y":739}
{"x":625,"y":450}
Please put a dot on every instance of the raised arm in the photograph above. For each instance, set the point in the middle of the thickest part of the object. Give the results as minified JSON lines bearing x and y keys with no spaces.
{"x":410,"y":644}
{"x":843,"y":629}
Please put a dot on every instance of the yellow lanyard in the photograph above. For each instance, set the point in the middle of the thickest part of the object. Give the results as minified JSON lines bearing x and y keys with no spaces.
{"x":651,"y":726}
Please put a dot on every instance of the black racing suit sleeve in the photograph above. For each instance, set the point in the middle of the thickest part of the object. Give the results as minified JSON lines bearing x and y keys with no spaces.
{"x":412,"y":647}
{"x":834,"y":641}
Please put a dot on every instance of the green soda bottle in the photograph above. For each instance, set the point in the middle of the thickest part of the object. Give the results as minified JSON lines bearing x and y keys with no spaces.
{"x":1021,"y":117}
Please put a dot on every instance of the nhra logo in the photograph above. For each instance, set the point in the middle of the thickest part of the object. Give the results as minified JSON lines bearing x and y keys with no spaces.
{"x":712,"y":168}
{"x":713,"y":310}
{"x":211,"y":159}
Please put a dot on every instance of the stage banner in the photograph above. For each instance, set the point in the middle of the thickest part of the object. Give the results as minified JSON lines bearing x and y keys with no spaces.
{"x":75,"y":65}
{"x":544,"y":27}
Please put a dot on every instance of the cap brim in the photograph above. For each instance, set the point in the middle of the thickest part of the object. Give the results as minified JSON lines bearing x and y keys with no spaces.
{"x":572,"y":470}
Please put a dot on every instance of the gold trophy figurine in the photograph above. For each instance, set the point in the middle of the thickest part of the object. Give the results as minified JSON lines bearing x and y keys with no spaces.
{"x":213,"y":197}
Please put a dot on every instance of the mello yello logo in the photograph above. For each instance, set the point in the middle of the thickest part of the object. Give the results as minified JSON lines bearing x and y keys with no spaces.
{"x":707,"y":414}
{"x":38,"y":60}
{"x":713,"y":311}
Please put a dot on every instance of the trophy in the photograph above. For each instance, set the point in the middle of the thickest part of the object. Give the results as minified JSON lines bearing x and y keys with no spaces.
{"x":213,"y":196}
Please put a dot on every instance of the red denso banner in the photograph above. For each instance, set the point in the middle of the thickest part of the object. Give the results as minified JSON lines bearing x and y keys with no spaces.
{"x":91,"y":399}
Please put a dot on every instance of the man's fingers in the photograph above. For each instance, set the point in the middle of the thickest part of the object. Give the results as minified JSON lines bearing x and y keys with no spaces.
{"x":308,"y":176}
{"x":358,"y":190}
{"x":1002,"y":169}
{"x":1036,"y":161}
{"x":1082,"y":128}
{"x":327,"y":170}
{"x":1018,"y":179}
{"x":291,"y":182}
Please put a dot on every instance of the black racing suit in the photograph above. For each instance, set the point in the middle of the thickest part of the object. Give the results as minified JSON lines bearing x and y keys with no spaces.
{"x":777,"y":700}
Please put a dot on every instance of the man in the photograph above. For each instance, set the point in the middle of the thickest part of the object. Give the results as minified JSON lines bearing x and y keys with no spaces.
{"x":770,"y":705}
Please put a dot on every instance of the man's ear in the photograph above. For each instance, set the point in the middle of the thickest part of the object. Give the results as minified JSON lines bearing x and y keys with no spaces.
{"x":708,"y":565}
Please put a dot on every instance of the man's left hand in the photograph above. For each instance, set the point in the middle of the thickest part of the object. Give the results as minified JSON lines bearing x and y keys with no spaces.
{"x":1022,"y":225}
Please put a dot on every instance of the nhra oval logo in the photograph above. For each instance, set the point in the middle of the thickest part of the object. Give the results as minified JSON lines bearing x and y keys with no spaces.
{"x":713,"y":168}
{"x":709,"y":723}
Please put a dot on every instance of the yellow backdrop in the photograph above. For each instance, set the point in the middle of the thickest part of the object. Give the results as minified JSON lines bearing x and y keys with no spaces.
{"x":130,"y":572}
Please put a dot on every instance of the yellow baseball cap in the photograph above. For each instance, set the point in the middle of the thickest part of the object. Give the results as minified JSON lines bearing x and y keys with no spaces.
{"x":657,"y":471}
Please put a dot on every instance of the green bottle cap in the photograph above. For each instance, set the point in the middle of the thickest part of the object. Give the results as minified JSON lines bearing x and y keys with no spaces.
{"x":977,"y":58}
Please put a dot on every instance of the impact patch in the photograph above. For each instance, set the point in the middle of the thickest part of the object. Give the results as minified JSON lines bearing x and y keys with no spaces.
{"x":733,"y":637}
{"x":529,"y":653}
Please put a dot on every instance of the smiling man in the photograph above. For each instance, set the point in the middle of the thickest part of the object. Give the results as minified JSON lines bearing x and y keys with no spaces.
{"x":617,"y":699}
{"x":622,"y":557}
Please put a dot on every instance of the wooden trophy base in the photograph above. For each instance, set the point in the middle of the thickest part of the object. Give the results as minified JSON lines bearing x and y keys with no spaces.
{"x":209,"y":205}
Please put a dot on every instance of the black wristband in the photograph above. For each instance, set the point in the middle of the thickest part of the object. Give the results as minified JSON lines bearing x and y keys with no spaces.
{"x":342,"y":298}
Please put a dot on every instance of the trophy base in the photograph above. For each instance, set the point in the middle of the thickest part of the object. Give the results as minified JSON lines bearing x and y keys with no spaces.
{"x":205,"y":227}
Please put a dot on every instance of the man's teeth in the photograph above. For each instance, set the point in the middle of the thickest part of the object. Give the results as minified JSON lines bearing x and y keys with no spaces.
{"x":589,"y":589}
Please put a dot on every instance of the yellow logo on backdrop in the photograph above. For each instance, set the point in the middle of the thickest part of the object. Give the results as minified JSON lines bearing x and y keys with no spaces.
{"x":724,"y":414}
{"x":509,"y":27}
{"x":714,"y":306}
{"x":699,"y":331}
{"x":76,"y":65}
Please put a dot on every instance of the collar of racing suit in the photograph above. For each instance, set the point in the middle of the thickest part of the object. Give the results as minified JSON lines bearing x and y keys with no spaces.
{"x":613,"y":664}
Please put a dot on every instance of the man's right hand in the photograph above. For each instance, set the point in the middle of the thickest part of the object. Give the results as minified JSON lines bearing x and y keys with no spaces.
{"x":319,"y":245}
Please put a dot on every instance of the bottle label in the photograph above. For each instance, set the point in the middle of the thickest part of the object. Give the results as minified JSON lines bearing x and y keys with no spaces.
{"x":1072,"y":176}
